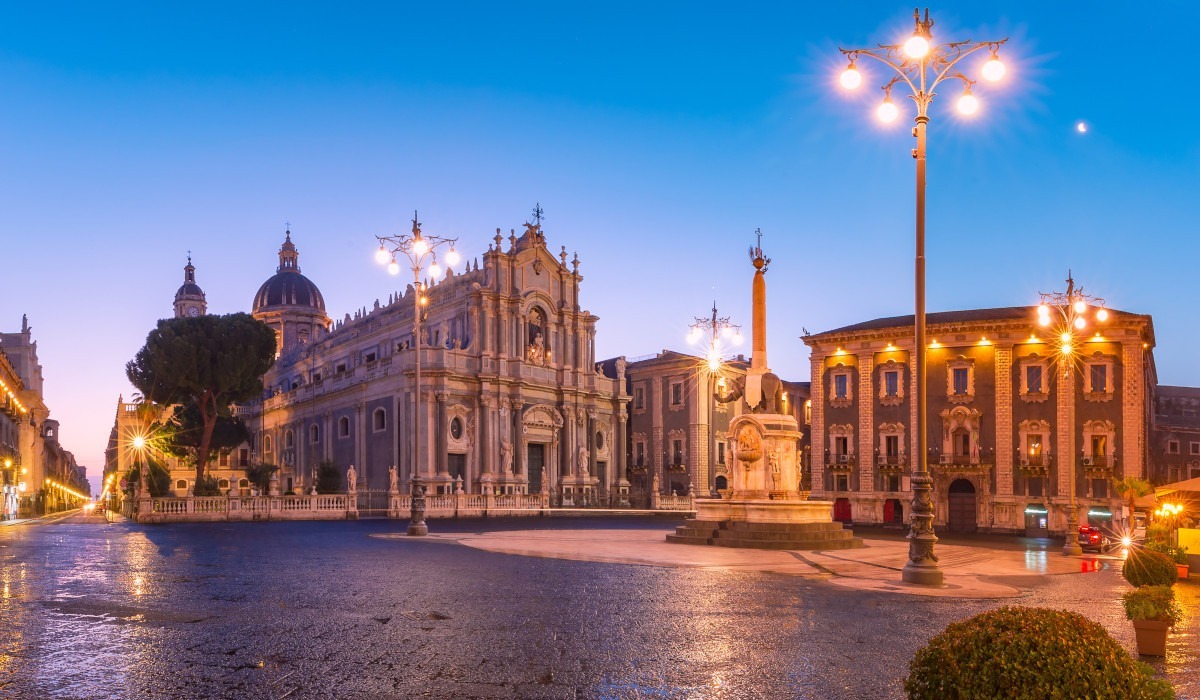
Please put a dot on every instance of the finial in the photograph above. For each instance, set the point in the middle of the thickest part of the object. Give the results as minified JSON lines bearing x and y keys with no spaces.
{"x":563,"y":256}
{"x":575,"y":263}
{"x":537,"y":214}
{"x":416,"y":229}
{"x":756,"y":254}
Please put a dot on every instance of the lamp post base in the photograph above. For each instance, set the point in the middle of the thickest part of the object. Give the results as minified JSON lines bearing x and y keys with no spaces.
{"x":922,"y":567}
{"x":1071,"y":547}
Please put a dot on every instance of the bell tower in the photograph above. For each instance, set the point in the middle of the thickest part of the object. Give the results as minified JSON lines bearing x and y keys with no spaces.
{"x":189,"y":300}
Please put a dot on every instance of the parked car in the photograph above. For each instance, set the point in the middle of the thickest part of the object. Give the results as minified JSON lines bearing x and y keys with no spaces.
{"x":1094,"y":539}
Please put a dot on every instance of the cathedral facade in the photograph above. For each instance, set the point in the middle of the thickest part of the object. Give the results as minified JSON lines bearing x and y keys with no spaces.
{"x":510,"y":400}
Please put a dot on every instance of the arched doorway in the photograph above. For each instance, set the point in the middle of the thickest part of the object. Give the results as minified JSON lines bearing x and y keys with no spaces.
{"x":961,"y":506}
{"x":841,"y":510}
{"x":893,"y":512}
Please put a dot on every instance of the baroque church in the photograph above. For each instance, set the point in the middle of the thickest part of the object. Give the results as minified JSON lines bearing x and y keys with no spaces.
{"x":511,"y":397}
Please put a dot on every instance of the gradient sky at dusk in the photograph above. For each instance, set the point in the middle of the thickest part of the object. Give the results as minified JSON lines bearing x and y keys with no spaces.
{"x":657,"y":136}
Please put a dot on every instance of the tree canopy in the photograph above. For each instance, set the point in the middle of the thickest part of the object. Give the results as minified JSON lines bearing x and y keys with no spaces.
{"x":208,"y":361}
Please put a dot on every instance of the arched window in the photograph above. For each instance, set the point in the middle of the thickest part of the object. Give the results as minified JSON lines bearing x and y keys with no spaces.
{"x":314,"y":434}
{"x":289,"y":439}
{"x":379,"y":419}
{"x":244,"y":484}
{"x":343,"y":427}
{"x":223,"y":484}
{"x":181,"y":484}
{"x":267,"y":443}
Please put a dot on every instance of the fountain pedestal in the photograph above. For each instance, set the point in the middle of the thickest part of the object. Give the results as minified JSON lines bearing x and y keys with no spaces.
{"x":764,"y":508}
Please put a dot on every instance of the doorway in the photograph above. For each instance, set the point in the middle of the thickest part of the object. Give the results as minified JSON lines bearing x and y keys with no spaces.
{"x":537,"y":465}
{"x":841,"y":510}
{"x":961,"y":502}
{"x":893,"y":512}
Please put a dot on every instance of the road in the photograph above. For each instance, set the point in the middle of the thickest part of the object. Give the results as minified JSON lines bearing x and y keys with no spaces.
{"x":322,"y":610}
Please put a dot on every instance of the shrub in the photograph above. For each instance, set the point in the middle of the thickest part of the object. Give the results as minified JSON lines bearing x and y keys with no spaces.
{"x":260,"y":475}
{"x":1029,"y":653}
{"x":329,"y":477}
{"x":1146,"y":567}
{"x":1177,"y":554}
{"x":1152,"y":603}
{"x":207,"y":486}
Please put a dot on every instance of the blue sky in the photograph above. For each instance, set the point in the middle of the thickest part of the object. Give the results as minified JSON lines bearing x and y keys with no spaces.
{"x":656,"y":136}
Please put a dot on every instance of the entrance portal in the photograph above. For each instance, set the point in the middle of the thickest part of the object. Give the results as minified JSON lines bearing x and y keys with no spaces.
{"x":961,"y":510}
{"x":537,"y":463}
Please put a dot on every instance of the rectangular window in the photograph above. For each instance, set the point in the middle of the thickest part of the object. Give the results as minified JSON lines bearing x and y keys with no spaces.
{"x":639,"y":398}
{"x":840,"y":445}
{"x":842,"y":482}
{"x":1099,"y":378}
{"x":840,"y":386}
{"x":720,"y":453}
{"x":1099,"y":445}
{"x":891,"y":445}
{"x":369,"y":357}
{"x":1172,"y":447}
{"x":893,"y":482}
{"x":341,"y":367}
{"x":640,"y":453}
{"x":677,"y":446}
{"x":224,"y":459}
{"x":1034,"y":487}
{"x":244,"y":457}
{"x":676,"y":394}
{"x":316,"y":377}
{"x":891,"y":383}
{"x":1195,"y":448}
{"x":1033,"y":379}
{"x":960,"y":381}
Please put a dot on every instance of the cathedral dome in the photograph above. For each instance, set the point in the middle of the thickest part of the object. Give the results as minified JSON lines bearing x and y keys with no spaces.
{"x":288,"y":287}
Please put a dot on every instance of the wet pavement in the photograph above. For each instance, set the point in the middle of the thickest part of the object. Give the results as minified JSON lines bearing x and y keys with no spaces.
{"x":323,"y":610}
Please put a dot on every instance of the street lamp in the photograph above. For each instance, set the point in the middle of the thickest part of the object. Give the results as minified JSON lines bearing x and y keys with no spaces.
{"x":1067,"y":315}
{"x":922,"y":66}
{"x":719,"y":334}
{"x":417,"y":248}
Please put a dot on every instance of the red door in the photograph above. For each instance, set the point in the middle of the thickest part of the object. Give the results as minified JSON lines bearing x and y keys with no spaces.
{"x":841,"y":510}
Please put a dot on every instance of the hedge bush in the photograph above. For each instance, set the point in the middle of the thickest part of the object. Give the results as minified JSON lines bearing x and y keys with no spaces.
{"x":1145,"y":567}
{"x":1015,"y":652}
{"x":1152,"y":603}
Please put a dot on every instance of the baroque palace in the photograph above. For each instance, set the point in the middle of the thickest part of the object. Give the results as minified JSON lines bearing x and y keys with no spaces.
{"x":1003,"y":413}
{"x":512,"y":399}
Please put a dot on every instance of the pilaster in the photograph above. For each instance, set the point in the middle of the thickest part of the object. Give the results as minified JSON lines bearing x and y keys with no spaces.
{"x":866,"y":428}
{"x":1004,"y":427}
{"x":817,"y":450}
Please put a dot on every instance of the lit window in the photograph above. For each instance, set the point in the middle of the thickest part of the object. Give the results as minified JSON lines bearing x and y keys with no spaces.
{"x":960,"y":381}
{"x":891,"y":383}
{"x":1098,"y":376}
{"x":840,"y":386}
{"x":1033,"y":379}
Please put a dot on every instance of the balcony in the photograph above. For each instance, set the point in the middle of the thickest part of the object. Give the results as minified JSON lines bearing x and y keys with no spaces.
{"x":1099,"y":466}
{"x":895,"y":463}
{"x":841,"y":462}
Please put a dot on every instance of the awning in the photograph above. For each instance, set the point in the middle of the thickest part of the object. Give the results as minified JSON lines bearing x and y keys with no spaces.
{"x":1035,"y":509}
{"x":1099,"y":512}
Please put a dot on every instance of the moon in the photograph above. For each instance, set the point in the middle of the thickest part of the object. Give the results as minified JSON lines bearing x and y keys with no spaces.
{"x":1081,"y":127}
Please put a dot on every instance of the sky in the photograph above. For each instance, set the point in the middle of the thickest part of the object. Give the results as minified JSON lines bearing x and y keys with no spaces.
{"x":657,"y":137}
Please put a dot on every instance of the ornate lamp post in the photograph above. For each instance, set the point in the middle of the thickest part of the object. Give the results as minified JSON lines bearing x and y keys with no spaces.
{"x":1075,"y":312}
{"x":922,"y":66}
{"x":417,"y":248}
{"x":716,"y":331}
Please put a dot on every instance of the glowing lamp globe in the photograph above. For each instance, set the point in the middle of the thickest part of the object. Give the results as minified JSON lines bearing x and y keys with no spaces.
{"x":887,"y":112}
{"x":382,"y":256}
{"x":1044,"y":320}
{"x":1080,"y":306}
{"x":737,"y":339}
{"x":393,"y":267}
{"x":851,"y":78}
{"x":139,"y":442}
{"x":452,"y":257}
{"x":916,"y":46}
{"x":967,"y":104}
{"x":1102,"y":314}
{"x":434,"y":270}
{"x":420,"y":247}
{"x":1080,"y":323}
{"x":993,"y":70}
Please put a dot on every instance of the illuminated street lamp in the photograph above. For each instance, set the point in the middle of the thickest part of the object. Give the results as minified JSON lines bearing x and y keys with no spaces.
{"x":417,"y":248}
{"x":921,"y":65}
{"x":718,"y":335}
{"x":1066,"y":315}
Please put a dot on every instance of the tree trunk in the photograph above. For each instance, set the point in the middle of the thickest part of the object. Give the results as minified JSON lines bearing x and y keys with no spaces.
{"x":210,"y":424}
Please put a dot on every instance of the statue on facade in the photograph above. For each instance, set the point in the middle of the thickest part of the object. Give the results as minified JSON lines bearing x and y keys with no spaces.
{"x":393,"y":480}
{"x":506,"y":455}
{"x":351,"y":480}
{"x":654,"y":485}
{"x":537,"y":350}
{"x":583,"y":461}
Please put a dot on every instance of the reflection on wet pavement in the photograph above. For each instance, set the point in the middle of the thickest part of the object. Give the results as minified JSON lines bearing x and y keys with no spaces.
{"x":304,"y":610}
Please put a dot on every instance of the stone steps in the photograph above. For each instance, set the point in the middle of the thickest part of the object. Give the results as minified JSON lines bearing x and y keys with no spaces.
{"x":830,"y":535}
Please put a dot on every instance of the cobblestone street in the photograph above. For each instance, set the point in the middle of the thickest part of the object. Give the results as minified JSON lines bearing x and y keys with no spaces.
{"x":322,"y":610}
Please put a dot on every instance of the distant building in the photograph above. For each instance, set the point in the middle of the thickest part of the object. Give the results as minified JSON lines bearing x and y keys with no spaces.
{"x":37,"y":475}
{"x":998,"y":426}
{"x":1176,"y":436}
{"x":678,"y":432}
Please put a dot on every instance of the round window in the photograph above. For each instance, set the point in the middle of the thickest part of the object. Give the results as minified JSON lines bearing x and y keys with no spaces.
{"x":599,"y":440}
{"x":456,"y":428}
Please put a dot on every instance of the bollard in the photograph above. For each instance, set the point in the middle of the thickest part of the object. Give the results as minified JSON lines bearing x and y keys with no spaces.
{"x":416,"y":522}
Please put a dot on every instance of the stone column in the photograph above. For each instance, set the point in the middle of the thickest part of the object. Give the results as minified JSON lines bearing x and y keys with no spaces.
{"x":817,"y":445}
{"x":1133,"y":417}
{"x":442,"y":435}
{"x":1065,"y":399}
{"x":1004,"y":427}
{"x":360,"y":430}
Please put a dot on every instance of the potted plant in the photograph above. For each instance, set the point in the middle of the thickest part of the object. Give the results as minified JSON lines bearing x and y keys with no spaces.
{"x":1154,"y":612}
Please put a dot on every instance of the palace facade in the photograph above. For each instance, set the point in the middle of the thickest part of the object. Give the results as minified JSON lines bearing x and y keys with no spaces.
{"x":1003,"y":414}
